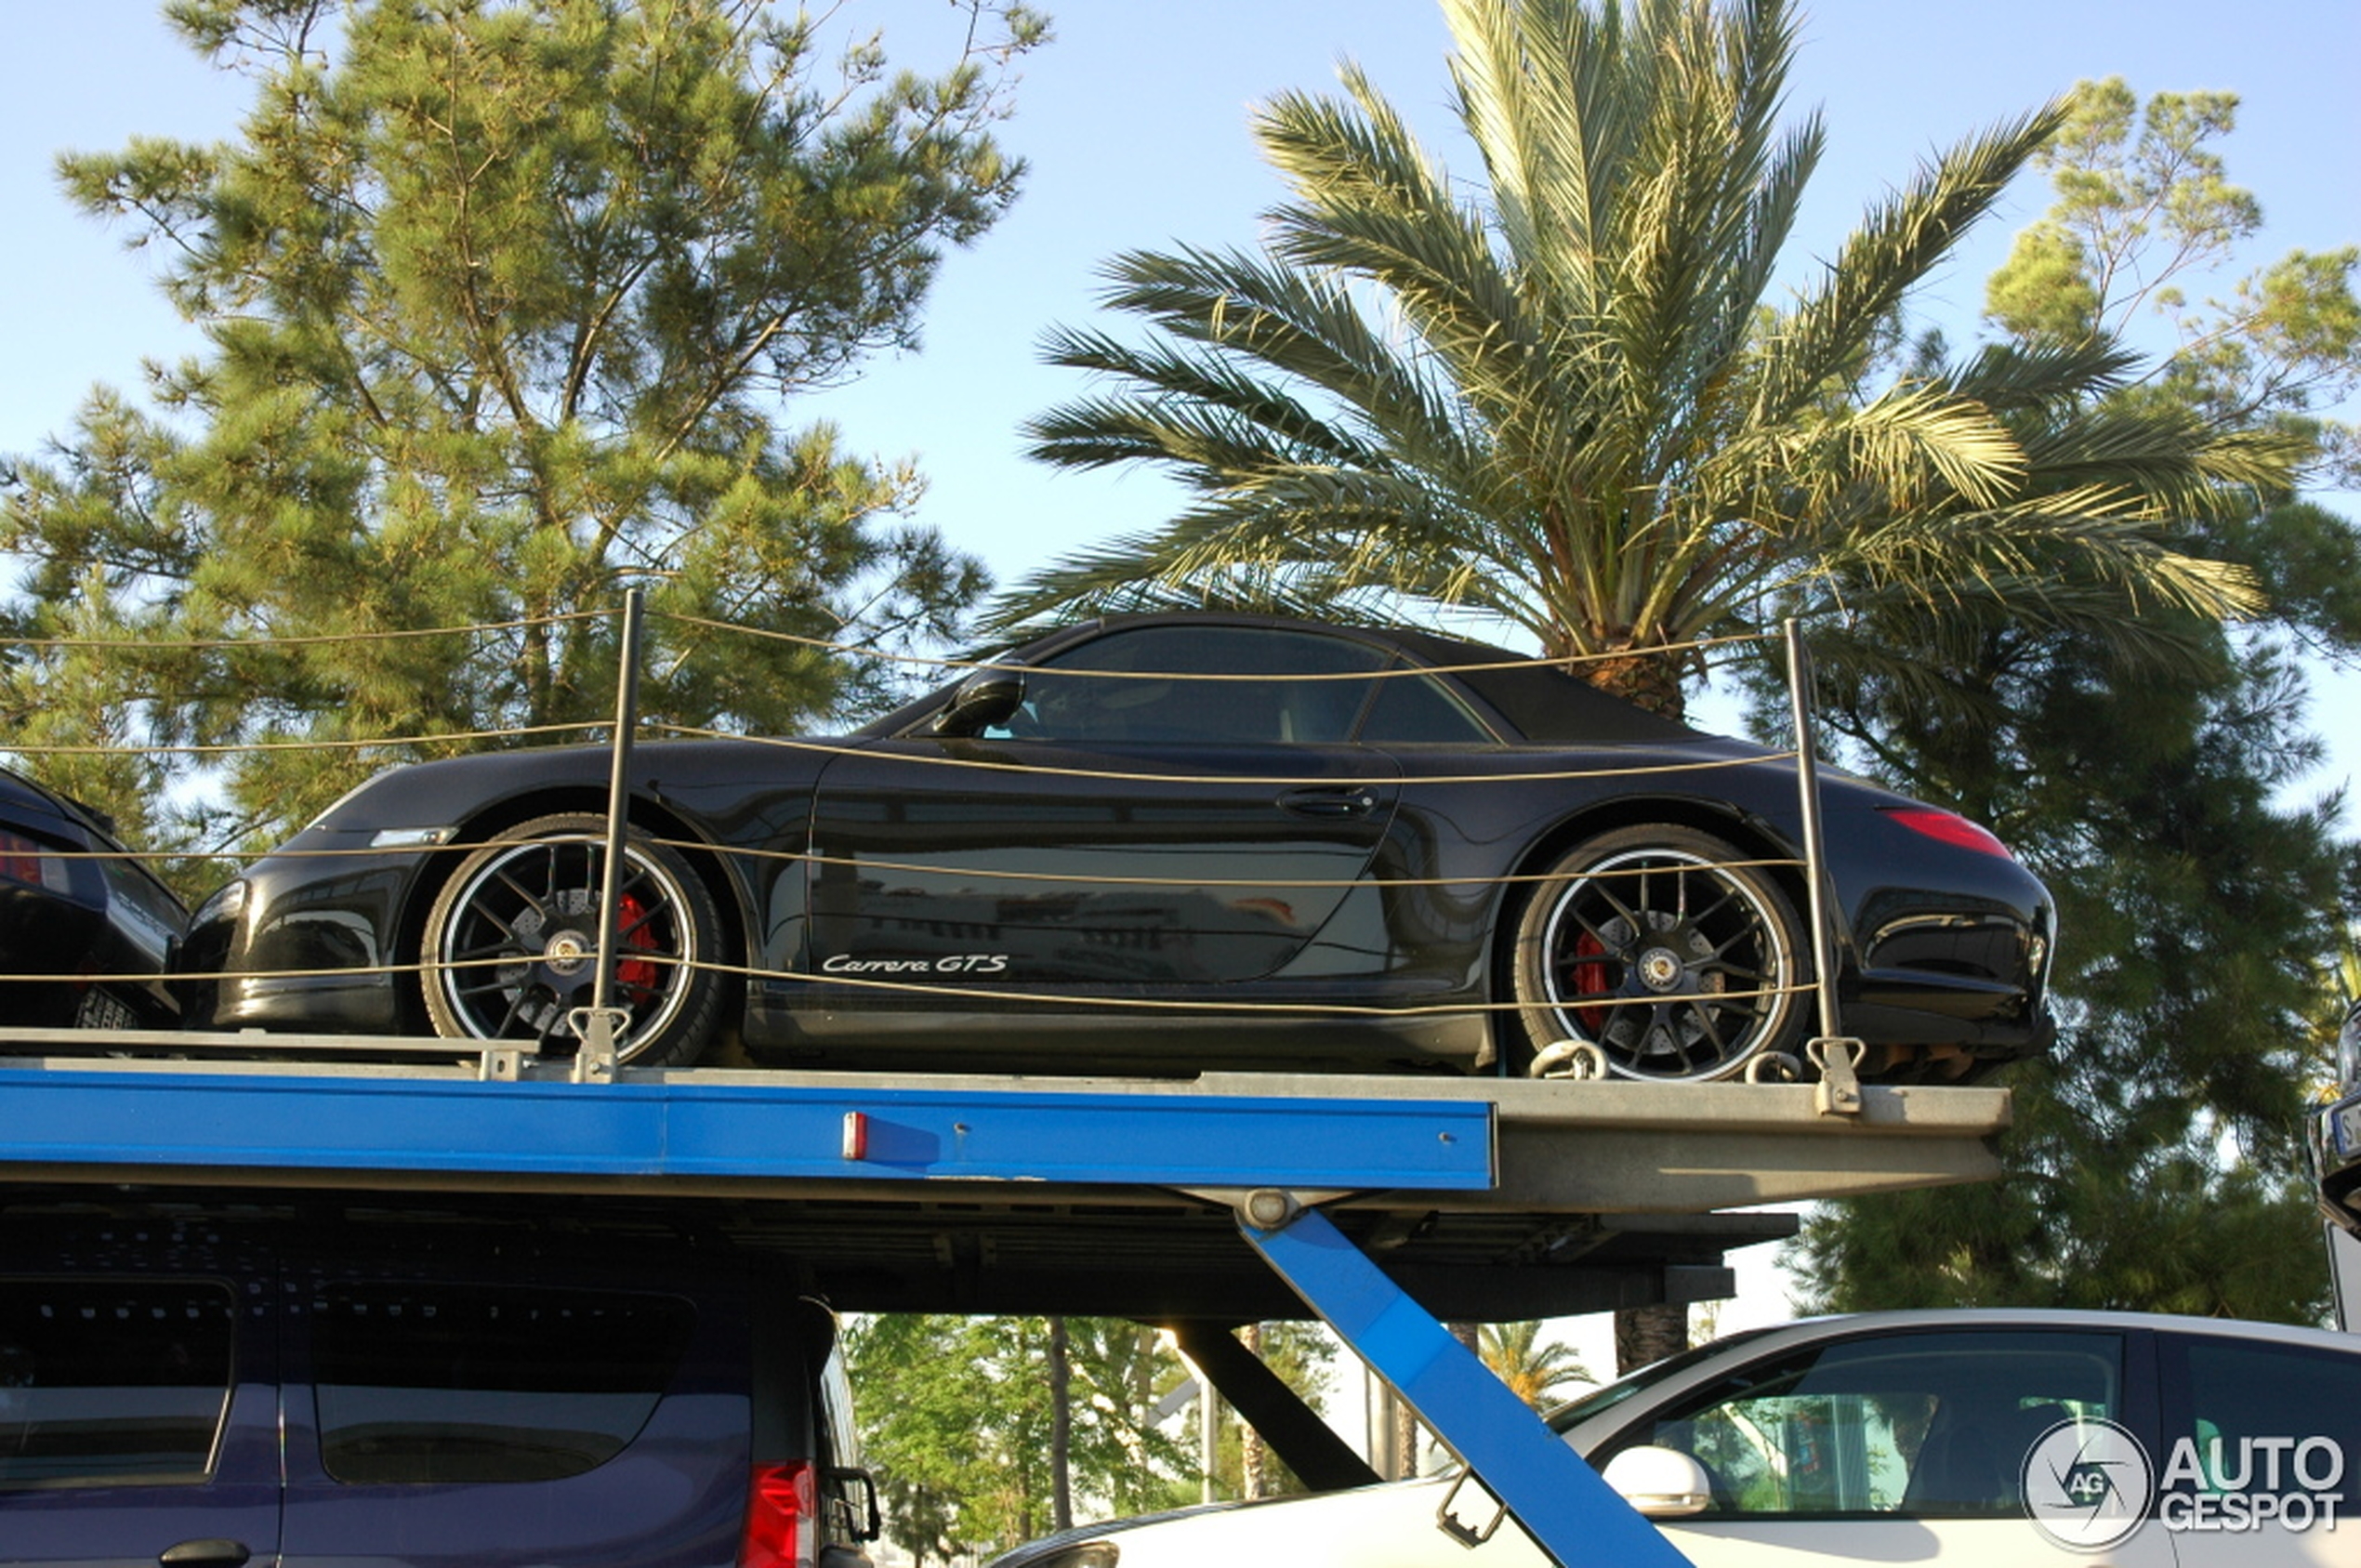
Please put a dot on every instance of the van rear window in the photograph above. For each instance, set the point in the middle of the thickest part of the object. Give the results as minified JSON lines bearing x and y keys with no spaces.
{"x":112,"y":1380}
{"x":421,"y":1383}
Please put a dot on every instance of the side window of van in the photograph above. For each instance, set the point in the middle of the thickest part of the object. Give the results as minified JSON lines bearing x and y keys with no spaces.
{"x":430,"y":1383}
{"x":112,"y":1380}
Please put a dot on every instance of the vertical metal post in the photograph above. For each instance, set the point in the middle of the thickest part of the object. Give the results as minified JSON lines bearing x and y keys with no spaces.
{"x":594,"y":1061}
{"x":1833,"y":1054}
{"x":1807,"y":781}
{"x":1208,"y":1438}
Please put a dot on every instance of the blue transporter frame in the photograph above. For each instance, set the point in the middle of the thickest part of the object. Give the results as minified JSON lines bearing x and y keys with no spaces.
{"x":1547,"y":1488}
{"x":195,"y":1123}
{"x":553,"y":1135}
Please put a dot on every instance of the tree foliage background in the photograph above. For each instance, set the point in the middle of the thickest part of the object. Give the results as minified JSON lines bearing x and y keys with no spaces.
{"x":502,"y":305}
{"x":958,"y":1414}
{"x":2203,"y":899}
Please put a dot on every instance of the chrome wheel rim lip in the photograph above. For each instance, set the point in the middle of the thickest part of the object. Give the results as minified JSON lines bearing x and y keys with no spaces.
{"x":1654,"y":966}
{"x":535,"y":985}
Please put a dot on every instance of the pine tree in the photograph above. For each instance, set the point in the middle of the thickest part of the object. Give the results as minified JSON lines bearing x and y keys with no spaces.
{"x":501,"y":305}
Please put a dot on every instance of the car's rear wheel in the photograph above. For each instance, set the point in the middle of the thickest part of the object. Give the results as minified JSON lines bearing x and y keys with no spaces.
{"x":511,"y":944}
{"x":1662,"y":948}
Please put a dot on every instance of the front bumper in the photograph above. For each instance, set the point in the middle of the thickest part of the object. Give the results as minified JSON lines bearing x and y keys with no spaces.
{"x":302,"y":942}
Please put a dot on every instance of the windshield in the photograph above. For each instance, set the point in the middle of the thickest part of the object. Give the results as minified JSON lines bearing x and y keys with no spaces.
{"x":1565,"y":1417}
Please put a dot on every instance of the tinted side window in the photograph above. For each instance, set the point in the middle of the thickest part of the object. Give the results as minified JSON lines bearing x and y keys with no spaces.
{"x":1918,"y":1425}
{"x":1420,"y":710}
{"x":2246,"y":1410}
{"x":105,"y":1381}
{"x":421,"y":1383}
{"x":1143,"y":693}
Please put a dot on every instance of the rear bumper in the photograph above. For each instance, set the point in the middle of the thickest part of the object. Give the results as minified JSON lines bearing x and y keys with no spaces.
{"x":2334,"y":1132}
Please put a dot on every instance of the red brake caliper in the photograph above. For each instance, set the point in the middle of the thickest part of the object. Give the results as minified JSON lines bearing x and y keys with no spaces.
{"x":636,"y":974}
{"x":1589,"y":980}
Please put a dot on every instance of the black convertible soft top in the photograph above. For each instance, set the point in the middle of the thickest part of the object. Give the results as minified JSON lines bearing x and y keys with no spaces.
{"x":1543,"y":703}
{"x":1546,"y":702}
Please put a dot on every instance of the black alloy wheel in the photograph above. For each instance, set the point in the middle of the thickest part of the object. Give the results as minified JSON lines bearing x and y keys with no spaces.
{"x":512,"y":942}
{"x":1662,"y":947}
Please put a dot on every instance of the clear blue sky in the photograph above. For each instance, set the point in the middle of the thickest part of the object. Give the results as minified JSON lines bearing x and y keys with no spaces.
{"x":1134,"y":122}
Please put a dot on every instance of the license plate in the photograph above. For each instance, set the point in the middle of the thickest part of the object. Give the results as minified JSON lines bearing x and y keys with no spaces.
{"x":99,"y":1010}
{"x":2344,"y":1123}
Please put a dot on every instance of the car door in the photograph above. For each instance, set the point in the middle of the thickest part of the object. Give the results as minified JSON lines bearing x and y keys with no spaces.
{"x":459,"y":1408}
{"x":1162,"y":810}
{"x":1919,"y":1447}
{"x":138,"y":1416}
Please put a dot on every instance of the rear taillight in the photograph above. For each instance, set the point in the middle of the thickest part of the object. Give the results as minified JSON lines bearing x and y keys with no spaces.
{"x":1950,"y":827}
{"x":782,"y":1517}
{"x":22,"y":860}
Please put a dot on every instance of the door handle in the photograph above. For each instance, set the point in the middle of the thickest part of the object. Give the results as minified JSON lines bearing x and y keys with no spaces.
{"x":225,"y":1553}
{"x":1347,"y":801}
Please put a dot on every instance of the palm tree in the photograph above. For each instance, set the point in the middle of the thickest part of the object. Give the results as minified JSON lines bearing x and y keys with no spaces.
{"x":1564,"y":403}
{"x":1531,"y":1368}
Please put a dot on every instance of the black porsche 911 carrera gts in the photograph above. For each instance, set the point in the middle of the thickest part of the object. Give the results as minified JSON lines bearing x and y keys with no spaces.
{"x":1165,"y":843}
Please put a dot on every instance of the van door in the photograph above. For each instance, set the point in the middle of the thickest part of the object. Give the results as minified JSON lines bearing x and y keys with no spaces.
{"x":461,"y":1412}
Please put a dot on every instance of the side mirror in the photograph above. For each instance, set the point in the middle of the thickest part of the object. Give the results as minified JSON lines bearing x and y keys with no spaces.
{"x":856,"y":1493}
{"x":982,"y":700}
{"x":1659,"y":1483}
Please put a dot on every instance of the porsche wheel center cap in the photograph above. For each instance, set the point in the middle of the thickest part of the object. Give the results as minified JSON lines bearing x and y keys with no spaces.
{"x":566,"y":952}
{"x":1660,"y":969}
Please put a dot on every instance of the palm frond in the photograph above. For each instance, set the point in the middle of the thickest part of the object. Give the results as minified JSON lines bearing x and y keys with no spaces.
{"x":1297,"y":326}
{"x":2017,"y":377}
{"x":2057,"y":559}
{"x":1899,"y":242}
{"x":1562,"y":399}
{"x":1195,"y":409}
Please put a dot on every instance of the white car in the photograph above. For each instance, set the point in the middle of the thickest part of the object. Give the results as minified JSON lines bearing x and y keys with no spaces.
{"x":2001,"y":1438}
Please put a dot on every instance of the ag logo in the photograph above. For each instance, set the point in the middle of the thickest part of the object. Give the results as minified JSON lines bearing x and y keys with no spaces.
{"x":2087,"y":1484}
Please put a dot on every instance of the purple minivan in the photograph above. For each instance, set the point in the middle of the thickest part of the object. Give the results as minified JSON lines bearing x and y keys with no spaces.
{"x":315,"y":1381}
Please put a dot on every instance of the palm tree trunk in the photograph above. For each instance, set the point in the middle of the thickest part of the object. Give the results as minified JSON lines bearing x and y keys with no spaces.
{"x":1652,"y":681}
{"x":1649,"y":1334}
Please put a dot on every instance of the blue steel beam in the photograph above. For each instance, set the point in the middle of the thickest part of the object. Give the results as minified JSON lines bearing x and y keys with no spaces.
{"x":1572,"y":1514}
{"x":51,"y":1117}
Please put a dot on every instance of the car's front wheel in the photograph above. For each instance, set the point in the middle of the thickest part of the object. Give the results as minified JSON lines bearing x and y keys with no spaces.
{"x":1663,"y":948}
{"x":511,"y":944}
